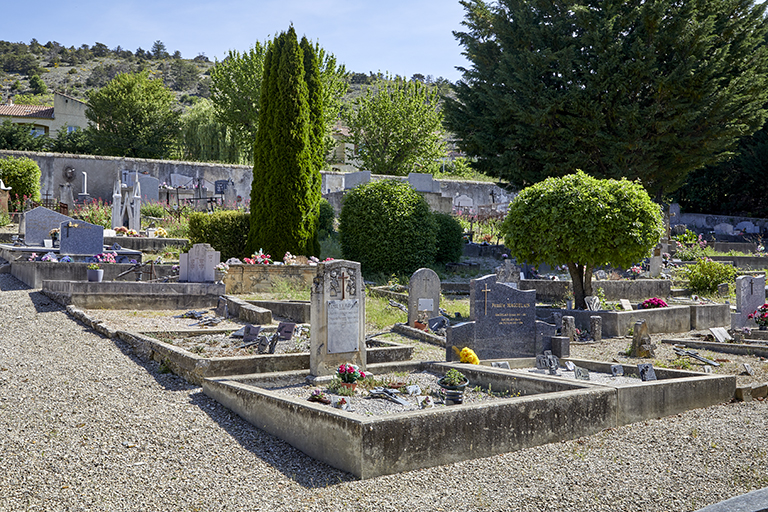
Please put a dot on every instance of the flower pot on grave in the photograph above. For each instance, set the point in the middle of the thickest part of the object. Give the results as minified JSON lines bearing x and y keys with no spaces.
{"x":349,"y":385}
{"x":454,"y":395}
{"x":419,"y":325}
{"x":95,"y":275}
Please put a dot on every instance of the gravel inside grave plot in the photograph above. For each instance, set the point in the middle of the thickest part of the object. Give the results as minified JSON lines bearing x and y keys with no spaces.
{"x":594,"y":377}
{"x":361,"y":403}
{"x":225,"y":345}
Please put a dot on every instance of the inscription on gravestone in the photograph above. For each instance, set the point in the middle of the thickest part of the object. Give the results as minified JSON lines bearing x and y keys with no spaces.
{"x":646,"y":372}
{"x":423,"y":296}
{"x":343,"y":325}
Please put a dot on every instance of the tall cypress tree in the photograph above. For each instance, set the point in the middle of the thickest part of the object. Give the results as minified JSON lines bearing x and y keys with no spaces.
{"x":286,"y":182}
{"x":316,"y":129}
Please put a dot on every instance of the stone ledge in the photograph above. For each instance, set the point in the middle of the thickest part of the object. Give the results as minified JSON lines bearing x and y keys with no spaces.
{"x":418,"y":334}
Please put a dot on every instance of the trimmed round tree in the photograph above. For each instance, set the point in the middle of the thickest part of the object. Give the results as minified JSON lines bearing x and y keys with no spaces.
{"x":387,"y":226}
{"x":582,"y":222}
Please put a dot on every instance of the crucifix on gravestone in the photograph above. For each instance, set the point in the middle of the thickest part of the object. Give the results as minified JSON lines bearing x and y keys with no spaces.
{"x":343,"y":277}
{"x":485,"y":292}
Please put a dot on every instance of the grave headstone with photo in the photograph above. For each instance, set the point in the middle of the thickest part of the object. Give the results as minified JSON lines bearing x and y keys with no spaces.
{"x":39,"y":222}
{"x":80,"y":237}
{"x":504,"y":322}
{"x":423,"y":296}
{"x":198,"y":265}
{"x":337,"y":312}
{"x":750,"y":295}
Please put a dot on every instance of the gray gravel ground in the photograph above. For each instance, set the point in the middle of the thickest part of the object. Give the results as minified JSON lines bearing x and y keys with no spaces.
{"x":85,"y":425}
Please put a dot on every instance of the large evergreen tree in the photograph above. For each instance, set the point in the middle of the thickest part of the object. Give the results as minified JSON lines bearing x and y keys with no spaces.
{"x":648,"y":89}
{"x":286,"y":180}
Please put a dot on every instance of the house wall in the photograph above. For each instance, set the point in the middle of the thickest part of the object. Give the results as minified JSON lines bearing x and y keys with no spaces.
{"x":67,"y":112}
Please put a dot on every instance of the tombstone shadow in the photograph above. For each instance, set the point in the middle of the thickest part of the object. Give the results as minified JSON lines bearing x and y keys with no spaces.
{"x":169,"y":381}
{"x":43,"y":303}
{"x":8,"y":283}
{"x":291,"y":462}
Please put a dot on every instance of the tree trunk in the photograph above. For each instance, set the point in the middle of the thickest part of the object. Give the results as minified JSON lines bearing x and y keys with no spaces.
{"x":581,"y":276}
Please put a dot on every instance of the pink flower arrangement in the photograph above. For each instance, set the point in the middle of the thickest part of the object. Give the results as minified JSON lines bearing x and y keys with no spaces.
{"x":258,"y":259}
{"x":105,"y":257}
{"x":653,"y":303}
{"x":760,"y":316}
{"x":636,"y":270}
{"x":349,"y":373}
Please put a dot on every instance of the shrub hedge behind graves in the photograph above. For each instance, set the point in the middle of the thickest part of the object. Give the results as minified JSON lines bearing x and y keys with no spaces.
{"x":225,"y":230}
{"x":23,"y":176}
{"x":325,"y":218}
{"x":387,"y":226}
{"x":450,"y":245}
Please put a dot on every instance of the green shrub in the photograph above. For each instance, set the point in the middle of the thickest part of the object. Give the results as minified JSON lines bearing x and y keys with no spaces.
{"x":705,"y":275}
{"x":23,"y":176}
{"x":450,"y":243}
{"x":325,"y":217}
{"x":387,"y":227}
{"x":153,"y":210}
{"x":225,"y":230}
{"x":95,"y":212}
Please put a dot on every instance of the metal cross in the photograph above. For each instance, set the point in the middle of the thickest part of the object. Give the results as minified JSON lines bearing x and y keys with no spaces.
{"x":342,"y":277}
{"x":486,"y":290}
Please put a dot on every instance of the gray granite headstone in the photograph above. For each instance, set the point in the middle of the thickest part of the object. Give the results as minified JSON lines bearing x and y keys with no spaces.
{"x":720,"y":334}
{"x":724,"y":229}
{"x":505,"y":319}
{"x":39,"y":222}
{"x":180,"y":180}
{"x":423,"y":295}
{"x":80,"y":237}
{"x":508,"y":272}
{"x":150,"y":188}
{"x":750,"y":295}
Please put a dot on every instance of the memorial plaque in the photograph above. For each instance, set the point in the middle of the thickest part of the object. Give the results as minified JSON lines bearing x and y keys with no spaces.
{"x":581,"y":373}
{"x":437,"y":323}
{"x":426,"y":304}
{"x":570,"y":366}
{"x":617,"y":370}
{"x":720,"y":334}
{"x":625,"y":305}
{"x":646,"y":372}
{"x":220,"y":186}
{"x":500,"y":364}
{"x":251,"y":332}
{"x":285,"y":330}
{"x":748,"y":369}
{"x":343,"y":326}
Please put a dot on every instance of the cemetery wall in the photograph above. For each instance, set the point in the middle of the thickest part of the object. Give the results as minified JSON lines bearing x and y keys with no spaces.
{"x":703,"y":223}
{"x":636,"y":290}
{"x":104,"y":170}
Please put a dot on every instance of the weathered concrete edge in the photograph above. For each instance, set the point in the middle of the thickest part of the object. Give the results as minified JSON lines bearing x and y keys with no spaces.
{"x":418,"y":334}
{"x":755,"y":501}
{"x":726,"y":348}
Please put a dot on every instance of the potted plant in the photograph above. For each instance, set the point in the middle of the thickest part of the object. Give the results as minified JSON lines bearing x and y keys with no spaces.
{"x":54,"y":234}
{"x":760,"y":316}
{"x":453,"y":384}
{"x":95,"y":272}
{"x":349,"y":374}
{"x":121,"y":231}
{"x":221,"y":270}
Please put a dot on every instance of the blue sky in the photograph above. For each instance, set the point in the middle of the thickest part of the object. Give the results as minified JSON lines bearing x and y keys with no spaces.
{"x":396,"y":36}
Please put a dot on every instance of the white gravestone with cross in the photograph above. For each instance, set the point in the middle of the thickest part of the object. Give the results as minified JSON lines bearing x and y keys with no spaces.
{"x":337,"y":309}
{"x":423,"y":296}
{"x":199,"y":264}
{"x":750,"y":295}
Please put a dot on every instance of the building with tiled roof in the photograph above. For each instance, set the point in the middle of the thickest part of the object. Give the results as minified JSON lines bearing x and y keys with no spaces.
{"x":66,"y":113}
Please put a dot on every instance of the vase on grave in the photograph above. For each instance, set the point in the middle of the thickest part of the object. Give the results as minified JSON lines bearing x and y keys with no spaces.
{"x":95,"y":275}
{"x":349,"y":385}
{"x":454,"y":394}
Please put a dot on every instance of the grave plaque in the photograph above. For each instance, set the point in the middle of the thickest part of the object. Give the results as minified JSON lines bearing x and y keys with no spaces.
{"x":748,"y":370}
{"x":617,"y":370}
{"x":720,"y":334}
{"x":337,"y":313}
{"x":625,"y":305}
{"x":500,"y":364}
{"x":570,"y":366}
{"x":251,"y":333}
{"x":581,"y":373}
{"x":592,"y":302}
{"x":343,"y":326}
{"x":423,"y":296}
{"x":646,"y":372}
{"x":220,"y":186}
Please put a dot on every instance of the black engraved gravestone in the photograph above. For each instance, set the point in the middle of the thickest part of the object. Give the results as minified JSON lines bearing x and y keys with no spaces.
{"x":505,"y":319}
{"x":220,"y":186}
{"x":646,"y":372}
{"x":617,"y":370}
{"x":250,"y":333}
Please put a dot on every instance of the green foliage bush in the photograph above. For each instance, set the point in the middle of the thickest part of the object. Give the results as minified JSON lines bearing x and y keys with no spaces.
{"x":450,"y":245}
{"x":23,"y":176}
{"x":387,"y":226}
{"x":325,"y":217}
{"x":95,"y":212}
{"x":705,"y":275}
{"x":224,"y":230}
{"x":153,"y":210}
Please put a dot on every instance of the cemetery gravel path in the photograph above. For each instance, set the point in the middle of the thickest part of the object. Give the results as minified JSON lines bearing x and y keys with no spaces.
{"x":86,"y":425}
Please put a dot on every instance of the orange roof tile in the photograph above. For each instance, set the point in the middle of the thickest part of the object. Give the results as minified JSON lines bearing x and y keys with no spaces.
{"x":32,"y":111}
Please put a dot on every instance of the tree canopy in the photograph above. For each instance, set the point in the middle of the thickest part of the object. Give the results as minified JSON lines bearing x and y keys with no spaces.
{"x":582,"y":222}
{"x":396,"y":128}
{"x":285,"y":191}
{"x":625,"y":88}
{"x":134,"y":117}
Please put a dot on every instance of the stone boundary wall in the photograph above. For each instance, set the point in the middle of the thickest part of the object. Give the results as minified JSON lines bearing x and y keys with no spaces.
{"x":104,"y":170}
{"x":242,"y":279}
{"x":635,"y":290}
